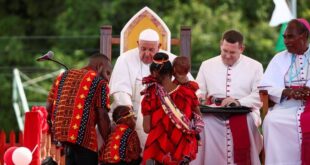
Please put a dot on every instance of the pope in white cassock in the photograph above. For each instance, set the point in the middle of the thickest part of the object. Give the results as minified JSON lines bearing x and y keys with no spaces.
{"x":129,"y":69}
{"x":230,"y":79}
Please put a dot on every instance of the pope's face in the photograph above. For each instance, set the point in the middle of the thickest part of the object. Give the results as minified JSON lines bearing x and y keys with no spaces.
{"x":230,"y":52}
{"x":147,"y":50}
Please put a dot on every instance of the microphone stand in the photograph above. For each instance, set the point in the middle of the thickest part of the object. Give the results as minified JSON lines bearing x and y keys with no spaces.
{"x":58,"y":63}
{"x":49,"y":56}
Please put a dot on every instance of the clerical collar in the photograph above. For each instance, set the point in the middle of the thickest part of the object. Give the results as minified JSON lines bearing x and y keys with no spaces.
{"x":236,"y":63}
{"x":306,"y":52}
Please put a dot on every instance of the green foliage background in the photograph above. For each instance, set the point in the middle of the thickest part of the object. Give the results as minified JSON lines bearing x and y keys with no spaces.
{"x":29,"y":28}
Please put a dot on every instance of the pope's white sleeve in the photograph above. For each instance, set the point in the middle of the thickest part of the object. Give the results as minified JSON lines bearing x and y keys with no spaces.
{"x":121,"y":98}
{"x":121,"y":77}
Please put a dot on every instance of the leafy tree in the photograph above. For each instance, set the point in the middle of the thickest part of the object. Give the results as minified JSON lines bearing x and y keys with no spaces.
{"x":20,"y":19}
{"x":29,"y":28}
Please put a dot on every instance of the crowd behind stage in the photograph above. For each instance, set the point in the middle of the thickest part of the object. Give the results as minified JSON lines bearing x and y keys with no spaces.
{"x":155,"y":115}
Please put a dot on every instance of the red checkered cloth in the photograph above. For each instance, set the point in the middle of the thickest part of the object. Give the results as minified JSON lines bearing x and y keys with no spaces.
{"x":166,"y":143}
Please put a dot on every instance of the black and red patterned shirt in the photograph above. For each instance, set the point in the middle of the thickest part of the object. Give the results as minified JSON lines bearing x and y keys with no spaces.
{"x":123,"y":145}
{"x":76,"y":95}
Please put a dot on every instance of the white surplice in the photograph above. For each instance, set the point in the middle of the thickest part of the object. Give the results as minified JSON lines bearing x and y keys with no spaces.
{"x":281,"y":126}
{"x":238,"y":81}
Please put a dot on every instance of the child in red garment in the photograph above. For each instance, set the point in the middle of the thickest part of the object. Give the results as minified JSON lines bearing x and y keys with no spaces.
{"x":181,"y":67}
{"x":168,"y":111}
{"x":123,"y":147}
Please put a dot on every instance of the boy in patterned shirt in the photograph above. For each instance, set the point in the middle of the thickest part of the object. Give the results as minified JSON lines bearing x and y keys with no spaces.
{"x":123,"y":145}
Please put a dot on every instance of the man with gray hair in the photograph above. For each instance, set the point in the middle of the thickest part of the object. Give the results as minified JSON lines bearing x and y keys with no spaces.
{"x":129,"y":69}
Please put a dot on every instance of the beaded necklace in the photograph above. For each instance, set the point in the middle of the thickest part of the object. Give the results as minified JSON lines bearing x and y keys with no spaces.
{"x":297,"y":70}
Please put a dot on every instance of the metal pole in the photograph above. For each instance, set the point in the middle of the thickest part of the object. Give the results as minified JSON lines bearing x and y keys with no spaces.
{"x":293,"y":7}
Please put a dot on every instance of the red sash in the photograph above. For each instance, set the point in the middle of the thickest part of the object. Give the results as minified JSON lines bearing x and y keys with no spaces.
{"x":241,"y":140}
{"x":305,"y":129}
{"x":240,"y":133}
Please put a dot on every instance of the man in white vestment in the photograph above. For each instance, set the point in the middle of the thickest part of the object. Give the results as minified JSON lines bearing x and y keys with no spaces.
{"x":129,"y":69}
{"x":230,"y":79}
{"x":286,"y":127}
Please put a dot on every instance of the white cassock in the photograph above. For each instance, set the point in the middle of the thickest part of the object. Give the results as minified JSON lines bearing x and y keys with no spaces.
{"x":281,"y":126}
{"x":239,"y":81}
{"x":126,"y":84}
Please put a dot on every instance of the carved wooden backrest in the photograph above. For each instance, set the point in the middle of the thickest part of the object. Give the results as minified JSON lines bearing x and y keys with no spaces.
{"x":144,"y":19}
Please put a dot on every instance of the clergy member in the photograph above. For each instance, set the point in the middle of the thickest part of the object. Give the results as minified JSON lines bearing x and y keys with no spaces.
{"x":129,"y":69}
{"x":231,"y":79}
{"x":287,"y":124}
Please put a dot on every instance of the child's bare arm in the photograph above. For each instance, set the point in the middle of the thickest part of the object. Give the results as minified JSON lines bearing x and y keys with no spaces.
{"x":197,"y":110}
{"x":147,"y":123}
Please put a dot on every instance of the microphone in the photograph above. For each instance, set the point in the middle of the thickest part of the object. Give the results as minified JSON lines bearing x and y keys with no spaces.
{"x":232,"y":105}
{"x":49,"y":55}
{"x":216,"y":101}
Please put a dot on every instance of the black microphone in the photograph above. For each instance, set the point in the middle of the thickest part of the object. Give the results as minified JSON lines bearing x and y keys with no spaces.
{"x":232,"y":105}
{"x":49,"y":57}
{"x":216,"y":100}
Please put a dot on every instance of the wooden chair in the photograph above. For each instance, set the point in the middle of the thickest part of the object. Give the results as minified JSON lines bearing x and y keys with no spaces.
{"x":144,"y":19}
{"x":265,"y":100}
{"x":267,"y":103}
